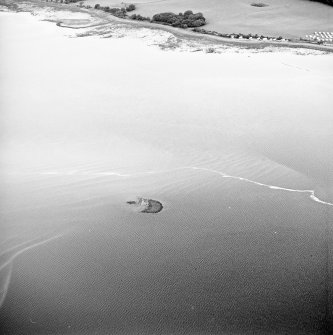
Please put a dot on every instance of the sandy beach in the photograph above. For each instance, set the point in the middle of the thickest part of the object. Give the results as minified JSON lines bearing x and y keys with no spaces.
{"x":235,"y":144}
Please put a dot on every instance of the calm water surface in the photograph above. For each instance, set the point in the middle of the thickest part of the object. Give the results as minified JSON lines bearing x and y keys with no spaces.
{"x":237,"y":148}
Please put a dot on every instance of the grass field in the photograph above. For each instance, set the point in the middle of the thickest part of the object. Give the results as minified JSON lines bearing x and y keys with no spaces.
{"x":289,"y":18}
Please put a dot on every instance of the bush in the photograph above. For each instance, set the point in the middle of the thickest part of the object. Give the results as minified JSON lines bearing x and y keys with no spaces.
{"x":259,"y":4}
{"x":164,"y":17}
{"x":197,"y":16}
{"x":119,"y":12}
{"x":114,"y":10}
{"x":130,"y":8}
{"x":210,"y":50}
{"x":197,"y":23}
{"x":188,"y":13}
{"x":139,"y":17}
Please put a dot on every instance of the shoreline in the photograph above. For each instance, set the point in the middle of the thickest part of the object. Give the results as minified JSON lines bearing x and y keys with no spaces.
{"x":189,"y":35}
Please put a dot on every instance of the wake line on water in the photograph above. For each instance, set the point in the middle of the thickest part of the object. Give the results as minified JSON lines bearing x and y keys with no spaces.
{"x":224,"y":175}
{"x":8,"y":263}
{"x":11,"y":259}
{"x":272,"y":187}
{"x":311,"y":193}
{"x":4,"y":286}
{"x":2,"y":253}
{"x":83,"y":173}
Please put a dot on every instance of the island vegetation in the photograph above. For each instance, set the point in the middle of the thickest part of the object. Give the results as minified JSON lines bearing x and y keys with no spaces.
{"x":145,"y":205}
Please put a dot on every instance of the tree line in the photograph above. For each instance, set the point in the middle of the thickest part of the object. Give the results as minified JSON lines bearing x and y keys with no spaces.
{"x":186,"y":20}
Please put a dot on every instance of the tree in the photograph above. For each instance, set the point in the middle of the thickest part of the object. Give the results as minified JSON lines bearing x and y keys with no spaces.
{"x":130,"y":8}
{"x":197,"y":23}
{"x":188,"y":13}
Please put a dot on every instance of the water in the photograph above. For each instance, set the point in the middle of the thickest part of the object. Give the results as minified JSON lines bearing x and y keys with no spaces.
{"x":235,"y":146}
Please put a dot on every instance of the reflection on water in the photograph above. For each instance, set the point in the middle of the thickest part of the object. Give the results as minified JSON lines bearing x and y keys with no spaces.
{"x":242,"y":245}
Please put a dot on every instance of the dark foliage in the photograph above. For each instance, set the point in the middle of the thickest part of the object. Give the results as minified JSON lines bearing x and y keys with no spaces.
{"x":130,"y":8}
{"x":188,"y":13}
{"x":237,"y":36}
{"x":328,"y":2}
{"x":259,"y":4}
{"x":188,"y":19}
{"x":139,"y":17}
{"x":119,"y":12}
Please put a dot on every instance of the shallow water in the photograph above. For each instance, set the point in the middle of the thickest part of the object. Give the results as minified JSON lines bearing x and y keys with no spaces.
{"x":235,"y":146}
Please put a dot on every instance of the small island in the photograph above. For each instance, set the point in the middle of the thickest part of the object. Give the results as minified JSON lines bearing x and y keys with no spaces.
{"x":145,"y":205}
